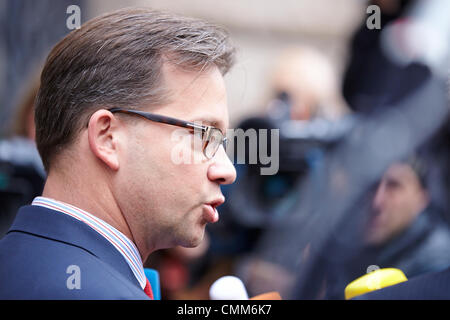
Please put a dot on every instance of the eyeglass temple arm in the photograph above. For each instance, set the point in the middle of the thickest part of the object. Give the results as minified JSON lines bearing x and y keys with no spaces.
{"x":161,"y":118}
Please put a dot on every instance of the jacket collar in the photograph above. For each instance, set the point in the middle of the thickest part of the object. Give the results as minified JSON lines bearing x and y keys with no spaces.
{"x":60,"y":227}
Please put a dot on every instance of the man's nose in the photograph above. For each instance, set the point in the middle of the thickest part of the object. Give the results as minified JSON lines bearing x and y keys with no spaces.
{"x":221,"y":169}
{"x":378,"y":199}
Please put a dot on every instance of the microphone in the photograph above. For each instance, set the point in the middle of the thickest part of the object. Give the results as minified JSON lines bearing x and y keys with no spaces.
{"x":153,"y":277}
{"x":374,"y":280}
{"x":228,"y":288}
{"x":232,"y":288}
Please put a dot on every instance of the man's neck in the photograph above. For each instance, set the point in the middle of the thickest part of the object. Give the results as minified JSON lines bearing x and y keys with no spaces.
{"x":95,"y":198}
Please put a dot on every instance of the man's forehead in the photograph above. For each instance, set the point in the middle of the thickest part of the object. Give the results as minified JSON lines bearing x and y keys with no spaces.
{"x":198,"y":96}
{"x":401,"y":172}
{"x":193,"y":82}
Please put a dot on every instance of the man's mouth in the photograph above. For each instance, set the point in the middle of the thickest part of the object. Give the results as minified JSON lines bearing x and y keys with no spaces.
{"x":375,"y":220}
{"x":210,"y":210}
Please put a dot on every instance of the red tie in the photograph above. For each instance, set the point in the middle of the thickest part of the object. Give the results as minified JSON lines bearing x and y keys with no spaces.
{"x":148,"y":290}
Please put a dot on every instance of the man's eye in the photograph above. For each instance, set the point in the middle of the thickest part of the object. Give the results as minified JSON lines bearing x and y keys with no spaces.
{"x":197,"y":133}
{"x":392,"y":184}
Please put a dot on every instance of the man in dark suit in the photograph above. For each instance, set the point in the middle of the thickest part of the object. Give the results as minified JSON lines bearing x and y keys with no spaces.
{"x":130,"y":121}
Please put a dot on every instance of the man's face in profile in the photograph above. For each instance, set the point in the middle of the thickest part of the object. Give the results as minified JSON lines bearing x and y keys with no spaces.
{"x":399,"y":199}
{"x":169,"y":201}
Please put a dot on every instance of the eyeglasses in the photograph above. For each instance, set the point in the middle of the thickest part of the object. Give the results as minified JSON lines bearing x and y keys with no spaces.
{"x":212,"y":137}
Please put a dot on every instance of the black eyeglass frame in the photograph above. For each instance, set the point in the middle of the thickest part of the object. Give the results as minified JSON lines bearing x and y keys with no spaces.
{"x":207,"y":131}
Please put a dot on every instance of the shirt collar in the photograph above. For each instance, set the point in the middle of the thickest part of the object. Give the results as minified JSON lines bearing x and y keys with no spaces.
{"x":121,"y":242}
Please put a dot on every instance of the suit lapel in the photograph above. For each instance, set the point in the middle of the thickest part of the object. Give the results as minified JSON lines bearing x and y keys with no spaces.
{"x":57,"y":226}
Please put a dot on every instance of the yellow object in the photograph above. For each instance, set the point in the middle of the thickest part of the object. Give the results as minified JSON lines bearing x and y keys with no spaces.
{"x":373,"y":281}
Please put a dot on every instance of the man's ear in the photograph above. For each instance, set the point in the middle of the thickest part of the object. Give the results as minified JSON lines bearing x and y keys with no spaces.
{"x":103,"y":138}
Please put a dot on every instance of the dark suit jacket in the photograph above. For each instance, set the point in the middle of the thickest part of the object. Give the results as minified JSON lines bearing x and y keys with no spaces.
{"x":431,"y":286}
{"x":38,"y":251}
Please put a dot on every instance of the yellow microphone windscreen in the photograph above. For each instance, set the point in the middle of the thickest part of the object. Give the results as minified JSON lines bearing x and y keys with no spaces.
{"x":373,"y":281}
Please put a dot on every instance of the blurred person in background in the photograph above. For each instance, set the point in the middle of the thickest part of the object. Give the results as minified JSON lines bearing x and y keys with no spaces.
{"x":23,"y":124}
{"x":408,"y":237}
{"x":401,"y":203}
{"x":308,"y":80}
{"x":395,"y":84}
{"x":403,"y":225}
{"x":25,"y":39}
{"x":403,"y":230}
{"x":21,"y":169}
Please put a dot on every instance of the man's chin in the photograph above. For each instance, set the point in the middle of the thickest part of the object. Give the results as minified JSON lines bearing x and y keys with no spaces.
{"x":194,"y":241}
{"x":375,"y":238}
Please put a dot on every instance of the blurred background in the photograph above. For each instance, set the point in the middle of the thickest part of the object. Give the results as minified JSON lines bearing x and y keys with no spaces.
{"x":360,"y":96}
